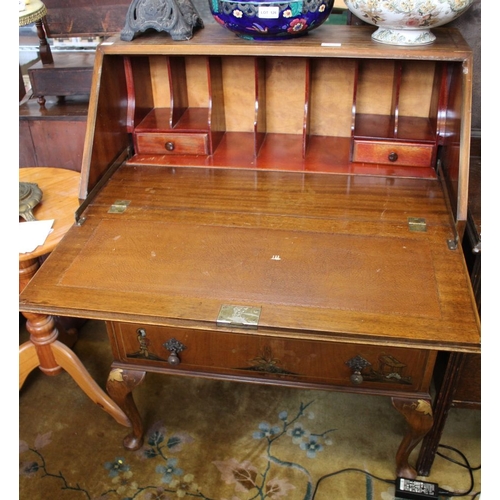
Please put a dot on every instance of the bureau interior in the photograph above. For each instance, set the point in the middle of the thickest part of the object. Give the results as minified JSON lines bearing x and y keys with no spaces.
{"x":298,"y":92}
{"x":342,"y":115}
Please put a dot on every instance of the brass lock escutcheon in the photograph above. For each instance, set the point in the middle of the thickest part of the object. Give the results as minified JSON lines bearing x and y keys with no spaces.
{"x":174,"y":347}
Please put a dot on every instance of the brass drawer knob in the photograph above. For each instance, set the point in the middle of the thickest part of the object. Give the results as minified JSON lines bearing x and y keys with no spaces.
{"x":393,"y":156}
{"x":357,"y":365}
{"x":175,"y":347}
{"x":169,"y":146}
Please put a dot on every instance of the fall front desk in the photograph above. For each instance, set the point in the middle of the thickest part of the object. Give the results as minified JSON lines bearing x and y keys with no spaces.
{"x":283,"y":212}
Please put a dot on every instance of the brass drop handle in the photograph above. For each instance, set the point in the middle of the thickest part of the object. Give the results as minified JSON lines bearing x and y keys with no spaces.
{"x":175,"y":347}
{"x":169,"y":146}
{"x":357,"y":364}
{"x":356,"y":377}
{"x":173,"y":359}
{"x":393,"y":156}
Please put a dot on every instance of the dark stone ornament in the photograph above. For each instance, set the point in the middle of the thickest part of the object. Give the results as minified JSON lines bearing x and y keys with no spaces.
{"x":177,"y":17}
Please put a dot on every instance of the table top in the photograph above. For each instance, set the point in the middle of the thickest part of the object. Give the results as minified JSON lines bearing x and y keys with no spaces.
{"x":60,"y":202}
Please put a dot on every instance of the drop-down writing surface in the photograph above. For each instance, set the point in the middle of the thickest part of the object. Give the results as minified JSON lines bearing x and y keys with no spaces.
{"x":333,"y":253}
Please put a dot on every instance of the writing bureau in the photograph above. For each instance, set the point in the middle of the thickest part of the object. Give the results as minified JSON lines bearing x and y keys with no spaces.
{"x":283,"y":212}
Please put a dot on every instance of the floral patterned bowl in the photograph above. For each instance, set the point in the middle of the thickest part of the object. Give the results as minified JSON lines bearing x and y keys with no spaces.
{"x":407,"y":22}
{"x":271,"y":20}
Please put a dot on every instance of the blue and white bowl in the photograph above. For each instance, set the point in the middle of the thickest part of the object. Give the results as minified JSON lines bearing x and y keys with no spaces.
{"x":265,"y":20}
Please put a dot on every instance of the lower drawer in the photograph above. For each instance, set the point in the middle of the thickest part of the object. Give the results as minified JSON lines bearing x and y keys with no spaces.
{"x":256,"y":356}
{"x":167,"y":143}
{"x":393,"y":153}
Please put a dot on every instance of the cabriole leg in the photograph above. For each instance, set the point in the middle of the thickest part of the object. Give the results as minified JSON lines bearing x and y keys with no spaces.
{"x":121,"y":382}
{"x":418,"y":415}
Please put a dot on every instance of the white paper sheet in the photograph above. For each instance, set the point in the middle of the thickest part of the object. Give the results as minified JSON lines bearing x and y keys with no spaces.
{"x":33,"y":233}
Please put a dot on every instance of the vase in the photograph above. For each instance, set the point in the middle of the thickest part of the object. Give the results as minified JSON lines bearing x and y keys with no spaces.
{"x":271,"y":20}
{"x":407,"y":22}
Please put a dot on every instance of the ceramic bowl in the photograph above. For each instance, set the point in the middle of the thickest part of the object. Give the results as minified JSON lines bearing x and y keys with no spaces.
{"x":407,"y":22}
{"x":265,"y":20}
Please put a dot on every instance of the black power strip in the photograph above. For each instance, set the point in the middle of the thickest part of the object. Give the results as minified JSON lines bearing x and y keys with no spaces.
{"x":416,"y":490}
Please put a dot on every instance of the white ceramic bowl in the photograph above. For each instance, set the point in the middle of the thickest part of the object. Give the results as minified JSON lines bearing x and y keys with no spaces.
{"x":407,"y":22}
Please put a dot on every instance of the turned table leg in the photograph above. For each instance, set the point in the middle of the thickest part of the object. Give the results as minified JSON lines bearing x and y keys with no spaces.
{"x":43,"y":350}
{"x":27,"y":269}
{"x":121,"y":382}
{"x":44,"y":47}
{"x":418,"y":415}
{"x":43,"y":333}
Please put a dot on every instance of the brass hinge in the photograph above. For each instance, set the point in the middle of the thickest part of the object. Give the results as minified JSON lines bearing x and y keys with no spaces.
{"x":417,"y":224}
{"x":240,"y":316}
{"x":119,"y":206}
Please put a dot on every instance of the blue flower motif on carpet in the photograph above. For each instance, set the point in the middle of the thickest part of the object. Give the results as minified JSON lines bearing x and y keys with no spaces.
{"x":169,"y":470}
{"x":117,"y":466}
{"x":263,"y":477}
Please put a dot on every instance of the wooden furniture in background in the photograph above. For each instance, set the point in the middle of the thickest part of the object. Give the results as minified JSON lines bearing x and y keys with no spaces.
{"x":292,"y":183}
{"x":49,"y":344}
{"x":458,"y":378}
{"x":472,"y":236}
{"x":53,"y":135}
{"x":73,"y":18}
{"x":69,"y":74}
{"x":34,"y":13}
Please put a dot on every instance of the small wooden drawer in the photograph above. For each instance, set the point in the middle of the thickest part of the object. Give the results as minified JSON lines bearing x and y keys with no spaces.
{"x":255,"y":356}
{"x":393,"y":153}
{"x":168,"y":143}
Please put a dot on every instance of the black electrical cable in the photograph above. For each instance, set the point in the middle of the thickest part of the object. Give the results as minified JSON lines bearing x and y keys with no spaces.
{"x":326,"y":476}
{"x":466,"y":464}
{"x":441,"y":491}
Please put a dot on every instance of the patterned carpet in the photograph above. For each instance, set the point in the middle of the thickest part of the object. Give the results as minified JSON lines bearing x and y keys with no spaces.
{"x":217,"y":440}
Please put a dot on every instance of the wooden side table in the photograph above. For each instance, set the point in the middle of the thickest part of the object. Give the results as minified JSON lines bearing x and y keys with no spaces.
{"x":44,"y":349}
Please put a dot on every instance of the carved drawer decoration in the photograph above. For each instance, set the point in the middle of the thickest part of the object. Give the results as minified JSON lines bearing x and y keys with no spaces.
{"x":287,"y":360}
{"x":389,"y":369}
